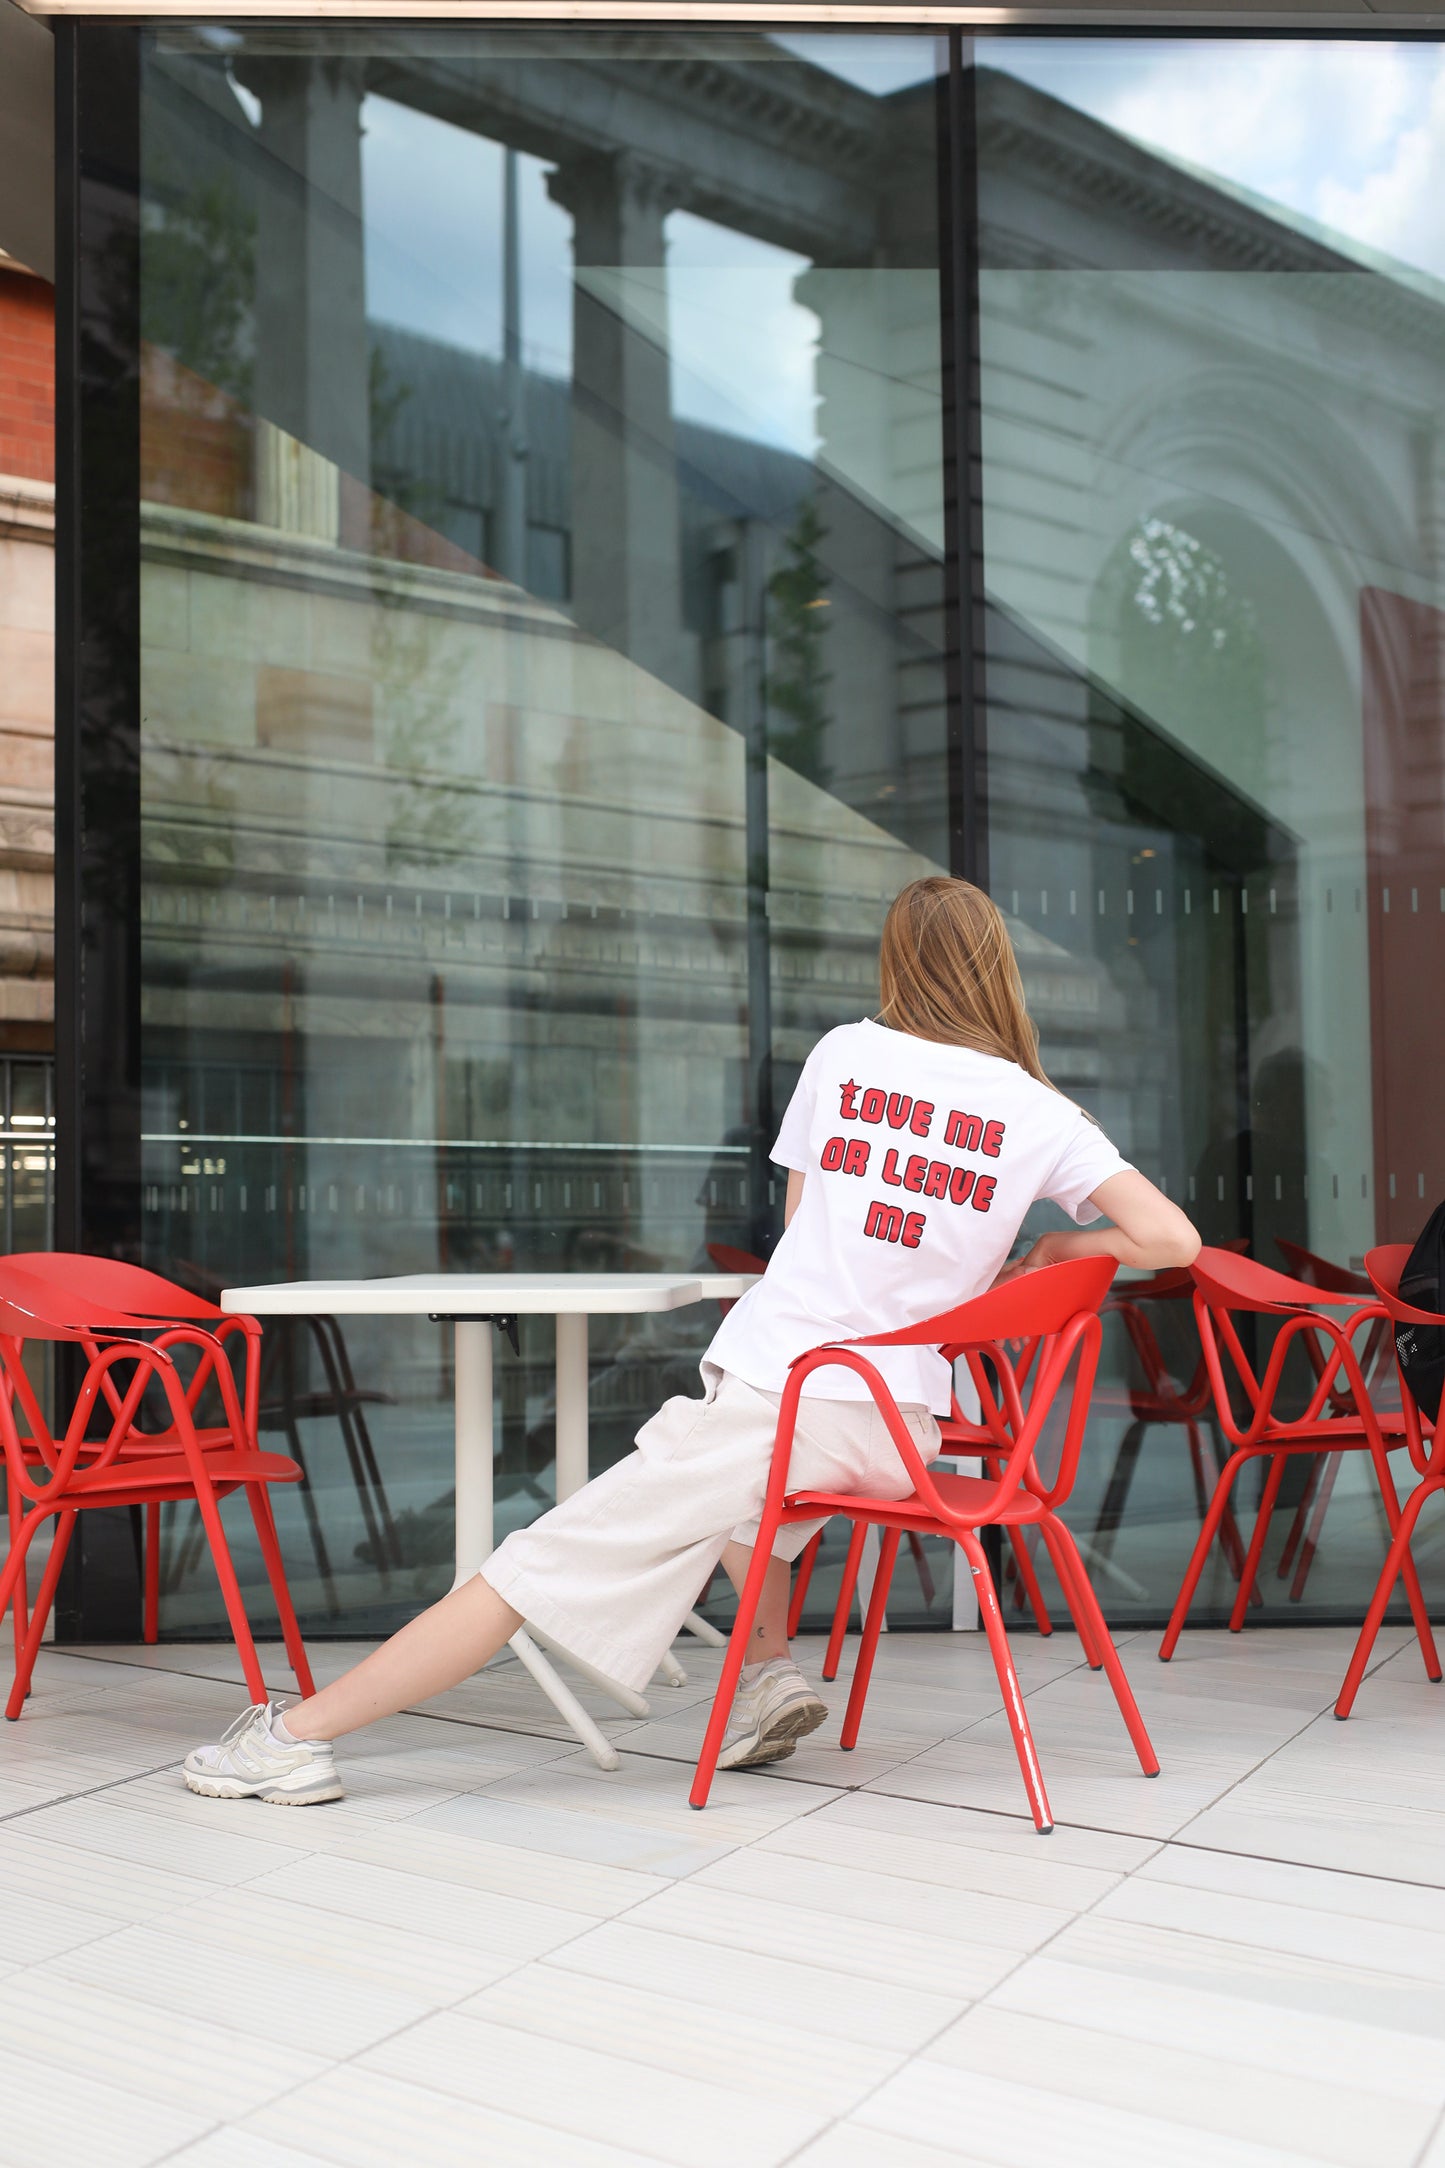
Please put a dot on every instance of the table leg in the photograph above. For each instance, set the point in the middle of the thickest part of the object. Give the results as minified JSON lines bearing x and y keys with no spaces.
{"x":475,"y":1436}
{"x":571,"y":1404}
{"x":475,"y":1443}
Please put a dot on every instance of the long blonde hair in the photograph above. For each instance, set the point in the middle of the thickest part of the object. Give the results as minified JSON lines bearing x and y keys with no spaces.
{"x":947,"y":971}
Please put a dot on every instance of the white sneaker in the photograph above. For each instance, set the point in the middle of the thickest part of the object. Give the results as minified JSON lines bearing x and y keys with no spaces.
{"x":250,"y":1762}
{"x":773,"y":1711}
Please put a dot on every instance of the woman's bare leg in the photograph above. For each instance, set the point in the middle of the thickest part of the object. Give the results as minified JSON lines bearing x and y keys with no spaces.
{"x":438,"y":1649}
{"x":769,"y":1636}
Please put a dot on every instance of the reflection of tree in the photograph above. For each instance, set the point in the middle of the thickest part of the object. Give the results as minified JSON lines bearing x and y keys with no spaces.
{"x":198,"y":247}
{"x":1187,"y":635}
{"x":797,"y":621}
{"x":419,"y":673}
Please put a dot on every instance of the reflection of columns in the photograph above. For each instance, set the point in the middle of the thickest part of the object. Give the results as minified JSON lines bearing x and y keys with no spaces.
{"x":626,"y":547}
{"x":312,"y":368}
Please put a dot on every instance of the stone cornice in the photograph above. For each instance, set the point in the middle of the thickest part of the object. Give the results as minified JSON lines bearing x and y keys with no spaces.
{"x":27,"y":509}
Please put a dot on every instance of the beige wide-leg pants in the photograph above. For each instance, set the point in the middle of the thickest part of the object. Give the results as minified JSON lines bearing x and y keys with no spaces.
{"x":613,"y":1571}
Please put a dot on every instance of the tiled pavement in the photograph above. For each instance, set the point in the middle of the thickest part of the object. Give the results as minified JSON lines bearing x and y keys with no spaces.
{"x":493,"y":1953}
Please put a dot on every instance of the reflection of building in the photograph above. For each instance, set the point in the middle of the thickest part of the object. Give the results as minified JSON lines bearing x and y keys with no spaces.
{"x":512,"y":763}
{"x":27,"y":660}
{"x":27,"y":793}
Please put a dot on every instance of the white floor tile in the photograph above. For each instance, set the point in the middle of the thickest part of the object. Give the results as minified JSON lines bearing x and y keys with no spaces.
{"x":663,"y":2114}
{"x":361,"y":2118}
{"x":1340,"y":2121}
{"x":263,"y":1993}
{"x":71,"y":2120}
{"x":844,"y":1963}
{"x":479,"y":1919}
{"x":904,"y":1956}
{"x":780,"y":2055}
{"x":746,"y":1981}
{"x":243,"y":2149}
{"x":861,"y":1893}
{"x":1024,"y":2126}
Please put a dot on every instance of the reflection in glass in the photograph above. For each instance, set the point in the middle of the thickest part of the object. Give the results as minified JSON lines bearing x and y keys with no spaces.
{"x":543,"y":688}
{"x":1211,"y":331}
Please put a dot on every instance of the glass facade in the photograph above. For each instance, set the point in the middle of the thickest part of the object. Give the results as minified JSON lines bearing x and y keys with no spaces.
{"x":542,"y":682}
{"x":551,"y":574}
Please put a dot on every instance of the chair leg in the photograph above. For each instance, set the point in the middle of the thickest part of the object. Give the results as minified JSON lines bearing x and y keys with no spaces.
{"x":380,"y":1549}
{"x":1074,"y":1579}
{"x":1398,"y":1552}
{"x":1255,"y":1552}
{"x":732,"y":1668}
{"x":151,"y":1620}
{"x":1116,"y":1491}
{"x":1197,"y":1557}
{"x":18,"y":1595}
{"x":363,"y":1437}
{"x":920,"y":1560}
{"x":1229,"y":1537}
{"x":1311,"y":1542}
{"x":45,"y":1597}
{"x":1390,"y":1499}
{"x":843,"y":1610}
{"x":231,"y":1591}
{"x":802,"y":1579}
{"x":1301,"y":1516}
{"x":869,"y":1639}
{"x":1029,"y":1580}
{"x":261,"y":1513}
{"x":291,"y":1424}
{"x":1008,"y":1679}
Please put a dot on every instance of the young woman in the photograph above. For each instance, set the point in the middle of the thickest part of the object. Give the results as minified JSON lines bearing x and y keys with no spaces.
{"x":915,"y":1143}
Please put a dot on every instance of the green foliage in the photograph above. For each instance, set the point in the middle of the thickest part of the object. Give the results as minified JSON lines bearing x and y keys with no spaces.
{"x":198,"y":277}
{"x":797,"y":625}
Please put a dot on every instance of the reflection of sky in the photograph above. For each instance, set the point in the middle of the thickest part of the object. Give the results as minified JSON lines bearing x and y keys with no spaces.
{"x":1350,"y":133}
{"x":742,"y":348}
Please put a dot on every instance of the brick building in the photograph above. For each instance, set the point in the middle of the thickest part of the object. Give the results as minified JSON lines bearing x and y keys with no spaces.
{"x":27,"y":561}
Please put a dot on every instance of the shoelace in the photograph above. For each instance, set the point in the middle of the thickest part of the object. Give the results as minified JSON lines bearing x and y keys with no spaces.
{"x":245,"y":1720}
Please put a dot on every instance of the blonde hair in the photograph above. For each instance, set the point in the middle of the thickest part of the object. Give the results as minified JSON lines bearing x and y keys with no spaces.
{"x":947,"y":971}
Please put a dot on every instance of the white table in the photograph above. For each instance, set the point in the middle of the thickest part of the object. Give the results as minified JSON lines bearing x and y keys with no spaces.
{"x":473,"y":1302}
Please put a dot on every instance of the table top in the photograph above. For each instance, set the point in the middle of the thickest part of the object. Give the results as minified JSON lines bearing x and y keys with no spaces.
{"x":482,"y":1294}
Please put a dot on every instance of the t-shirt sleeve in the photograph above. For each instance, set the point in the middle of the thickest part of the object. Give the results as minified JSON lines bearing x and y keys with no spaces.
{"x":1086,"y":1158}
{"x":791,"y":1149}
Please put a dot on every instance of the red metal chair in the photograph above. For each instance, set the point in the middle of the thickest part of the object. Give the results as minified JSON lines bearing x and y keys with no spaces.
{"x":106,"y":1457}
{"x":1337,"y":1416}
{"x":1425,"y":1444}
{"x":118,"y":1289}
{"x":1376,"y":1363}
{"x":1157,"y":1397}
{"x":1056,"y":1307}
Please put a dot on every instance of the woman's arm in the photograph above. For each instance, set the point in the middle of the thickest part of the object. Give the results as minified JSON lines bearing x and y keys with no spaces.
{"x":1148,"y":1232}
{"x":794,"y":1197}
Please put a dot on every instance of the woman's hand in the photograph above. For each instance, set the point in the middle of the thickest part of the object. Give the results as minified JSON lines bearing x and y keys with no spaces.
{"x":1050,"y":1249}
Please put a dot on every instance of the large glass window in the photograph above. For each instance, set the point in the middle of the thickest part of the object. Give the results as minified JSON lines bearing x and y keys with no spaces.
{"x":547,"y":628}
{"x":542,"y":685}
{"x":1212,"y":324}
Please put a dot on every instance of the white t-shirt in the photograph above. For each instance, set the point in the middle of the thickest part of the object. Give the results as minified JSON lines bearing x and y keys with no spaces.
{"x":921,"y":1161}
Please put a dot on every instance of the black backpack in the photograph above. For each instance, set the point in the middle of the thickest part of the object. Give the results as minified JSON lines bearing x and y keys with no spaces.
{"x":1421,"y":1348}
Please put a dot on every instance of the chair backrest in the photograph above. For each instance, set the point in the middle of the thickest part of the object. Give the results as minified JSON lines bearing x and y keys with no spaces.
{"x":1384,"y":1266}
{"x":1321,"y":1272}
{"x":1029,"y":1306}
{"x":109,"y":1285}
{"x":1227,"y":1284}
{"x":1054,"y":1314}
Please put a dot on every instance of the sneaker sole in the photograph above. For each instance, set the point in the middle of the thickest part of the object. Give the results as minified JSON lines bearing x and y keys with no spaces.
{"x":780,"y":1736}
{"x":234,"y":1788}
